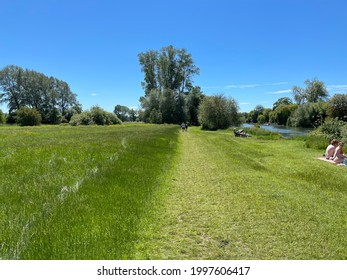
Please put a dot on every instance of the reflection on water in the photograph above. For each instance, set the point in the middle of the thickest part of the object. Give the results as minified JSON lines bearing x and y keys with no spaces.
{"x":285,"y":131}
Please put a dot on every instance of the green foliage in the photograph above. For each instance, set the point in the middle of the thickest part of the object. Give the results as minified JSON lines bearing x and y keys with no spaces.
{"x":315,"y":91}
{"x":155,"y":116}
{"x":262,"y":133}
{"x":218,"y":112}
{"x":282,"y":101}
{"x":28,"y":116}
{"x":194,"y":98}
{"x":126,"y":114}
{"x":2,"y":117}
{"x":50,"y":96}
{"x":261,"y":119}
{"x":95,"y":115}
{"x":337,"y":107}
{"x":281,"y":113}
{"x":330,"y":129}
{"x":167,"y":83}
{"x":83,"y":118}
{"x":169,"y":68}
{"x":253,"y":115}
{"x":308,"y":115}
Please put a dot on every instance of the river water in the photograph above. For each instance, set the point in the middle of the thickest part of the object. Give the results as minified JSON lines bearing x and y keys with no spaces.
{"x":286,"y":132}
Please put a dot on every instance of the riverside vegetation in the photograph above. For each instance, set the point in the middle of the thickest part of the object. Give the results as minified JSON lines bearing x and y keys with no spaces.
{"x":154,"y":192}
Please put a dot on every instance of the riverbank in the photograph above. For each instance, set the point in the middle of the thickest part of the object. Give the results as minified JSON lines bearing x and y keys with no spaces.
{"x":249,"y":198}
{"x":287,"y":132}
{"x":155,"y":192}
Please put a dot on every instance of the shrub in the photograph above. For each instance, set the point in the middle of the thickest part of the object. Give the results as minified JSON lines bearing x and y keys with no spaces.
{"x":2,"y":117}
{"x":330,"y":129}
{"x":337,"y":107}
{"x":308,"y":115}
{"x":281,"y":114}
{"x":83,"y":118}
{"x":28,"y":116}
{"x":53,"y":117}
{"x":96,"y":116}
{"x":218,"y":112}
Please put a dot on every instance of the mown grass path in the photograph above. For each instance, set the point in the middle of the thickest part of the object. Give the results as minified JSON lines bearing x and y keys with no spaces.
{"x":236,"y":198}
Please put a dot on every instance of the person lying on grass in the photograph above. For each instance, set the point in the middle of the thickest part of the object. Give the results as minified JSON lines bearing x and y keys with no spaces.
{"x":339,"y":156}
{"x":330,"y":150}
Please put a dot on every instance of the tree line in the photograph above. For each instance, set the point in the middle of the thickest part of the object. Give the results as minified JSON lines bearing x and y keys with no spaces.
{"x":310,"y":107}
{"x":171,"y":97}
{"x":49,"y":96}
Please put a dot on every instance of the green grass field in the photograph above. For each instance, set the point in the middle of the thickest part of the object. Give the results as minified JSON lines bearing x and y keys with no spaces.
{"x":154,"y":192}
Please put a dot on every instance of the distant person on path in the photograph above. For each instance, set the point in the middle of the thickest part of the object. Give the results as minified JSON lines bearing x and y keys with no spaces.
{"x":330,"y":150}
{"x":339,"y":156}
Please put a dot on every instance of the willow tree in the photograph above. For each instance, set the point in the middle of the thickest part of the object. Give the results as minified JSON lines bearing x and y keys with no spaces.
{"x":315,"y":91}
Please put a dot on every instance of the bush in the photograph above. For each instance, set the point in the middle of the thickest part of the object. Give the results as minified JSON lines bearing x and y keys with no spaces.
{"x":28,"y":116}
{"x":2,"y":117}
{"x":330,"y":129}
{"x":281,"y":114}
{"x":83,"y":118}
{"x":218,"y":112}
{"x":337,"y":107}
{"x":96,"y":116}
{"x":53,"y":117}
{"x":308,"y":115}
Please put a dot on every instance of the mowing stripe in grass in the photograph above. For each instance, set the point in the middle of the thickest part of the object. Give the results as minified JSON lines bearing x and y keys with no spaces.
{"x":237,"y":198}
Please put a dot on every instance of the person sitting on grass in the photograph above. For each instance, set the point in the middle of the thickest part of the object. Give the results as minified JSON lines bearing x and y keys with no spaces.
{"x":330,"y":150}
{"x":339,"y":156}
{"x":240,"y":133}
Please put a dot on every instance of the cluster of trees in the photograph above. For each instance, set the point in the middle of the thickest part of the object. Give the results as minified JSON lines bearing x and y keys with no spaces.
{"x":126,"y":114}
{"x":310,"y":107}
{"x":170,"y":96}
{"x":34,"y":98}
{"x":49,"y":96}
{"x":94,"y":116}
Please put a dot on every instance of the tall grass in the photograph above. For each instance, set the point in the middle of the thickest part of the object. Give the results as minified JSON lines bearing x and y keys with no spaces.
{"x":154,"y":192}
{"x":79,"y":192}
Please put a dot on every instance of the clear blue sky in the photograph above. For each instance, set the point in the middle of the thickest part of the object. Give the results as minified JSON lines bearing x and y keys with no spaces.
{"x":253,"y":51}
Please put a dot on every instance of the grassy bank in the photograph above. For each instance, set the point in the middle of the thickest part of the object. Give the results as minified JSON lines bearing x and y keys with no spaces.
{"x":154,"y":192}
{"x":79,"y":192}
{"x":250,"y":198}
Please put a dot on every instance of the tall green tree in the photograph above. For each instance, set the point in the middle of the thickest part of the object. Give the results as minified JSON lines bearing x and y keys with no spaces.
{"x":149,"y":66}
{"x":2,"y":117}
{"x":51,"y":97}
{"x":168,"y":79}
{"x":282,"y":101}
{"x":315,"y":91}
{"x":194,"y":98}
{"x":281,"y":114}
{"x":308,"y":115}
{"x":337,"y":107}
{"x":12,"y":87}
